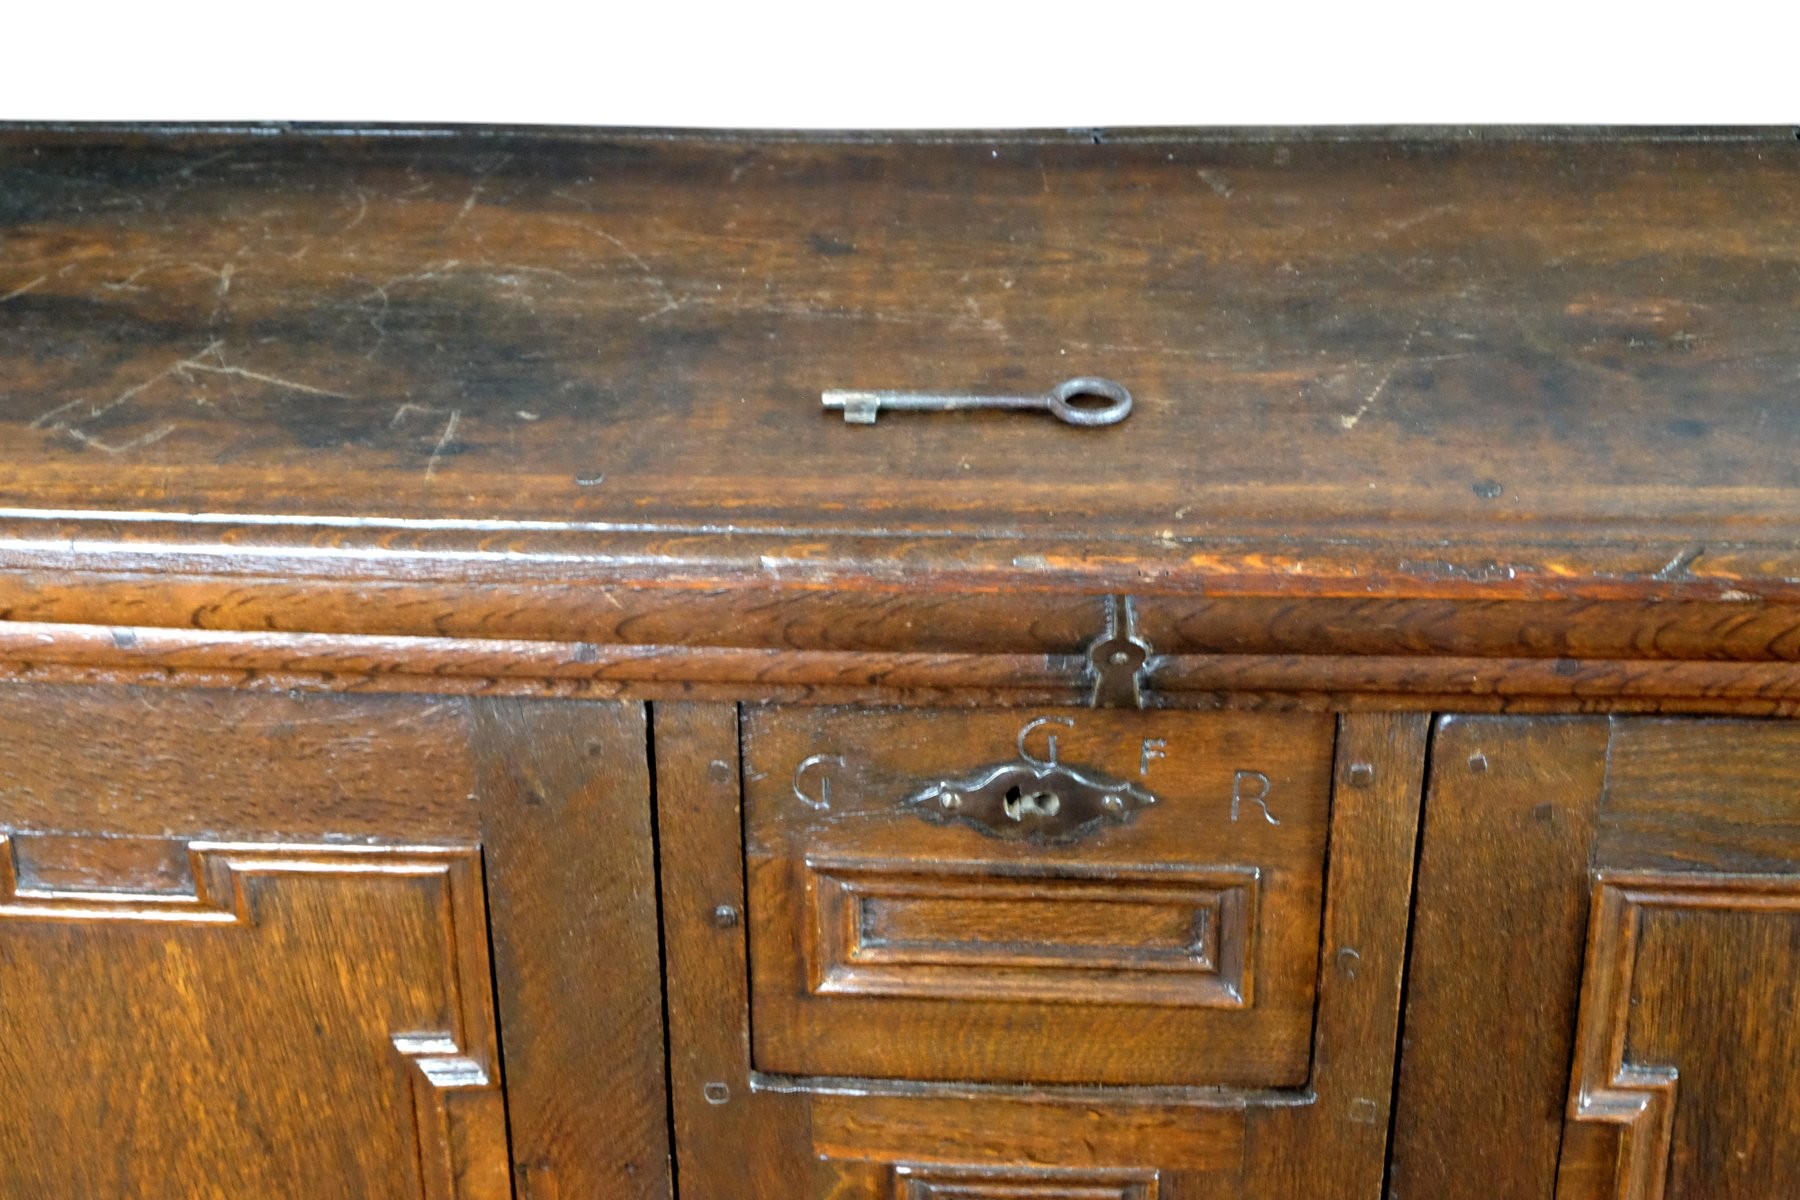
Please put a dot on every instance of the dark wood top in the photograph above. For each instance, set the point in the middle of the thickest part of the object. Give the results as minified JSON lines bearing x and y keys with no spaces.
{"x":1542,"y":363}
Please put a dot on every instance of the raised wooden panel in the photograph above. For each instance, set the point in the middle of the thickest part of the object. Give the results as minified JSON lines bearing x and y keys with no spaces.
{"x":307,"y":1020}
{"x":1072,"y":897}
{"x":1688,"y":1046}
{"x":134,"y":817}
{"x":933,"y":1182}
{"x":1078,"y":934}
{"x":1196,"y":1139}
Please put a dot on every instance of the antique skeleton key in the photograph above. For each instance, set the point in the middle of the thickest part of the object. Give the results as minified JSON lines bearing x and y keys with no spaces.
{"x":1084,"y":401}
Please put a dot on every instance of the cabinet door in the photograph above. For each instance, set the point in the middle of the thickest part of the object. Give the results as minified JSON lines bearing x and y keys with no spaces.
{"x":1605,"y":990}
{"x":1057,"y":955}
{"x":244,"y":945}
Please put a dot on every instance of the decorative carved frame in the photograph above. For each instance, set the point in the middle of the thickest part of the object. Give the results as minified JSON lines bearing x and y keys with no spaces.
{"x":458,"y":1104}
{"x":1604,"y":1088}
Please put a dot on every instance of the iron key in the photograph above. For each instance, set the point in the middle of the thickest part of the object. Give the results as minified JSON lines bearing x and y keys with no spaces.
{"x":861,"y":408}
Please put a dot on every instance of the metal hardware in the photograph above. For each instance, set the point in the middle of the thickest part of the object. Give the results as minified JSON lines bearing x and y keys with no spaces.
{"x":725,"y":916}
{"x":1026,"y":801}
{"x":1118,"y":657}
{"x":1064,"y":402}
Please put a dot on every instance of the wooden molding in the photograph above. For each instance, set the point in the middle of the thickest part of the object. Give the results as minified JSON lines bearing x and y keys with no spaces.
{"x":1096,"y":935}
{"x":936,"y":1182}
{"x":1606,"y":1089}
{"x":459,"y":1108}
{"x":231,"y":658}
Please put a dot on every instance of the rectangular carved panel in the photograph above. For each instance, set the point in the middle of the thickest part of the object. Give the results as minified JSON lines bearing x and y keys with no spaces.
{"x":1067,"y":897}
{"x":933,"y":1182}
{"x":1078,"y":934}
{"x":310,"y":1019}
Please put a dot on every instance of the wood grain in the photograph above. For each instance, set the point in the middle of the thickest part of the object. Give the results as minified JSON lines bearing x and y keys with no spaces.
{"x":248,"y":934}
{"x":565,"y":800}
{"x":1240,"y":813}
{"x":1686,"y":1052}
{"x":1333,"y":1146}
{"x":1558,"y":358}
{"x":1496,"y":955}
{"x":731,"y":1139}
{"x":365,"y":485}
{"x":509,"y":666}
{"x":350,"y":984}
{"x":852,"y":1139}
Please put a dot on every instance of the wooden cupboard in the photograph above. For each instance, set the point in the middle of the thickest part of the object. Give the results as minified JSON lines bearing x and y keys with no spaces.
{"x":476,"y":725}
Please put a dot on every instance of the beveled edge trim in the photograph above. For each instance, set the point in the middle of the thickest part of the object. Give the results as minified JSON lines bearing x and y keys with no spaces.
{"x":841,"y":962}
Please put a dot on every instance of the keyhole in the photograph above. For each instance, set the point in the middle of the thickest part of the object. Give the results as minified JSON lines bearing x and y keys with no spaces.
{"x":1019,"y":803}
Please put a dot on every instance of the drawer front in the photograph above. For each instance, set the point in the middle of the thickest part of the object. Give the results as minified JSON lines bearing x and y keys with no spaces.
{"x":1054,"y":897}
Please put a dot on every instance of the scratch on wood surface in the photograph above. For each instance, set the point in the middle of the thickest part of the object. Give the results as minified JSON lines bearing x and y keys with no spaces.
{"x":1419,"y":218}
{"x":52,"y":420}
{"x":437,"y":451}
{"x":1218,"y":181}
{"x":105,"y":447}
{"x":1349,"y":420}
{"x":379,"y":292}
{"x":210,"y":360}
{"x":362,"y":209}
{"x":468,"y":205}
{"x":292,"y":385}
{"x":23,"y":288}
{"x":669,"y":302}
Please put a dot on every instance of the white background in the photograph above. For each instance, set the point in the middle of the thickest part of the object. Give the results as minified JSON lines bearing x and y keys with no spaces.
{"x":922,"y":63}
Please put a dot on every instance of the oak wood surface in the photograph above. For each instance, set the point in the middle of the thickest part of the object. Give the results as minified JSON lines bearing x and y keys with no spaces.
{"x":1335,"y":1147}
{"x":314,"y":1017}
{"x":1410,"y":363}
{"x":728,"y":1141}
{"x":1684,"y":1079}
{"x":565,"y":806}
{"x":245,"y":946}
{"x":1495,"y":963}
{"x":861,"y":1139}
{"x":1603,"y":984}
{"x":1176,"y":944}
{"x":361,"y":486}
{"x":244,"y":949}
{"x":1420,"y":414}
